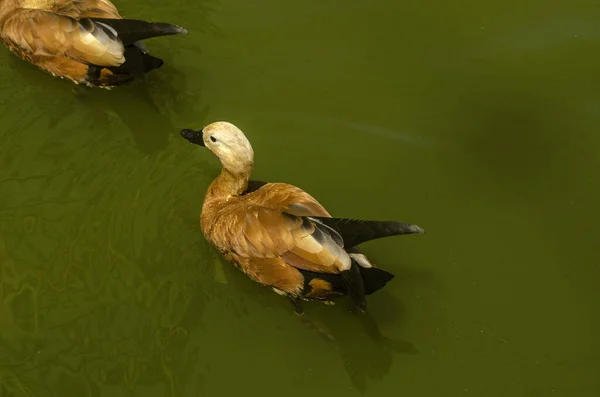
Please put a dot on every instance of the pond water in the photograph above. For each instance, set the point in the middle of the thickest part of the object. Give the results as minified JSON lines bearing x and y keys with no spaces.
{"x":477,"y":121}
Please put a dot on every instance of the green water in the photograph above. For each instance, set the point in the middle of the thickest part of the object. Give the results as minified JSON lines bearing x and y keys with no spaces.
{"x":476,"y":120}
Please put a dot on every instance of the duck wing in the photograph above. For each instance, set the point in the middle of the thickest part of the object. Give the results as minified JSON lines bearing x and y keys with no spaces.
{"x":275,"y":221}
{"x":300,"y":242}
{"x":44,"y":33}
{"x":261,"y":232}
{"x":278,"y":223}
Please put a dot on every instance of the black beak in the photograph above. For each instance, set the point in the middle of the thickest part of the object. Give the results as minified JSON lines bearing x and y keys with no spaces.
{"x":193,"y":136}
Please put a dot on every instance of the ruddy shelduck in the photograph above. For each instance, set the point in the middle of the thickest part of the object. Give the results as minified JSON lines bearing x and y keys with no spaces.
{"x":279,"y":235}
{"x":85,"y":41}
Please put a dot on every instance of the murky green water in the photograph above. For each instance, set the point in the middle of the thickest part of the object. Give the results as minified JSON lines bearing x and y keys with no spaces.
{"x":478,"y":121}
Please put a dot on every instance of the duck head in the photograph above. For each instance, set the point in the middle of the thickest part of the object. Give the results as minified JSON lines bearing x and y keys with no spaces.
{"x":227,"y":142}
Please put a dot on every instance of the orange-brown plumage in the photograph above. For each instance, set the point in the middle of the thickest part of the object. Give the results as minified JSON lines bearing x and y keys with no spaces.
{"x":79,"y":40}
{"x":278,"y":234}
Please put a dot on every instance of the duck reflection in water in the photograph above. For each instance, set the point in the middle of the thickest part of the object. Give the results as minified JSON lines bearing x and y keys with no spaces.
{"x":365,"y":351}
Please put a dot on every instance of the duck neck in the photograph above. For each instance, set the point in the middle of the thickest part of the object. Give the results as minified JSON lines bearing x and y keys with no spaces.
{"x":229,"y":183}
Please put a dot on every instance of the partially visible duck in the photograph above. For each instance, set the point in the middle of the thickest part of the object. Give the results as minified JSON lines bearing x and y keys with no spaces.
{"x":85,"y":41}
{"x":279,"y":235}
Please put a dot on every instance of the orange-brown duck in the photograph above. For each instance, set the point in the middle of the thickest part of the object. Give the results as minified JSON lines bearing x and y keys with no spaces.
{"x":85,"y":41}
{"x":279,"y":235}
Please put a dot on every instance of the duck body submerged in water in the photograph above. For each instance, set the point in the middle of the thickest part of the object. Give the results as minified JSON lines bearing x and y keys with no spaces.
{"x":85,"y":41}
{"x":282,"y":237}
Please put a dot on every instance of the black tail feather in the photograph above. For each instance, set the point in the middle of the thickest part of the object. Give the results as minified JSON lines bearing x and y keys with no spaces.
{"x":354,"y":285}
{"x":355,"y":231}
{"x":374,"y":278}
{"x":137,"y":63}
{"x":132,"y":30}
{"x":150,"y":62}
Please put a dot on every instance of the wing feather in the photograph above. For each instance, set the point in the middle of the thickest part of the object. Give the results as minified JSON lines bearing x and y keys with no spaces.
{"x":299,"y":241}
{"x":44,"y":33}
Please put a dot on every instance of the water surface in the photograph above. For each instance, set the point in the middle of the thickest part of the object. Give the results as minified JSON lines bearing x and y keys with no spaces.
{"x":477,"y":121}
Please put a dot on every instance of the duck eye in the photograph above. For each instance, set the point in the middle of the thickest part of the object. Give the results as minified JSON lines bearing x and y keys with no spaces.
{"x":212,"y":138}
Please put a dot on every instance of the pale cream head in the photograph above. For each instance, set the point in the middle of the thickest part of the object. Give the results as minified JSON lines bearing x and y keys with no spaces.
{"x":230,"y":145}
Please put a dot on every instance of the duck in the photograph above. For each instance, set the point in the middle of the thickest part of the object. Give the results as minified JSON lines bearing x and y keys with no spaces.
{"x":282,"y":237}
{"x":85,"y":41}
